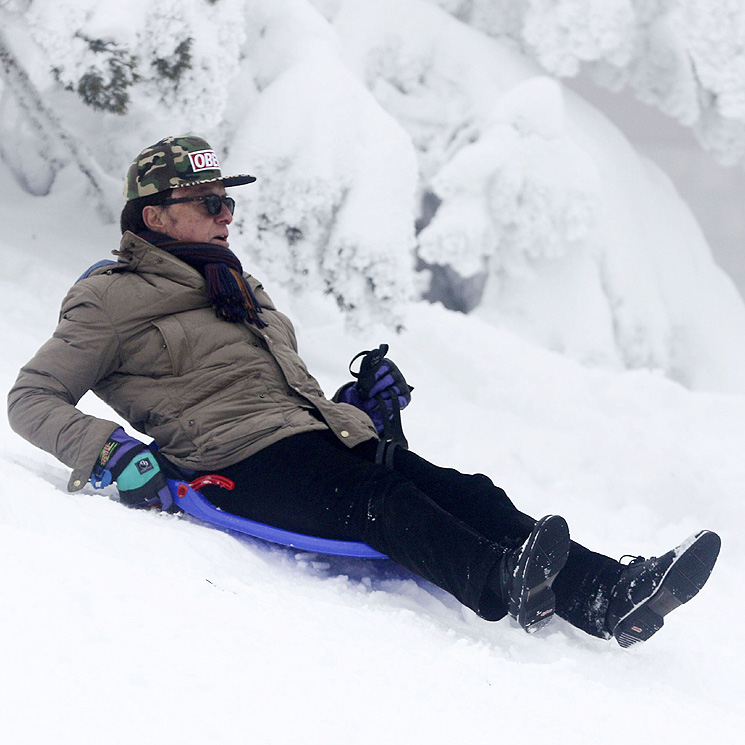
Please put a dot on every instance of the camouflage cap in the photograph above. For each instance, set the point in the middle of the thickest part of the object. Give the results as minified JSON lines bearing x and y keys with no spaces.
{"x":175,"y":162}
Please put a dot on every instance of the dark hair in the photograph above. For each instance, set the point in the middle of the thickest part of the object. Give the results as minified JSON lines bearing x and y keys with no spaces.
{"x":131,"y":217}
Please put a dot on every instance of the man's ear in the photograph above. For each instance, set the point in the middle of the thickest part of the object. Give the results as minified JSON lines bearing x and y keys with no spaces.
{"x":153,"y":218}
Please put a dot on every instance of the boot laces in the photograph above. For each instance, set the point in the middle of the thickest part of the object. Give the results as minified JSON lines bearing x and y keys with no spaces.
{"x":633,"y":560}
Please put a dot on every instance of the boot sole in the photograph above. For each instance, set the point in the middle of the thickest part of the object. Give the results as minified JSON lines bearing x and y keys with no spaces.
{"x":543,"y":558}
{"x":682,"y":581}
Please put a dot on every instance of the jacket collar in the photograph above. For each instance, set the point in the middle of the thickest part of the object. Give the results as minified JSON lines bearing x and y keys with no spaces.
{"x":141,"y":256}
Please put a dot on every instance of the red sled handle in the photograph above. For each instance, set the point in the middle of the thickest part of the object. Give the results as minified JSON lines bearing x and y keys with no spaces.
{"x":200,"y":481}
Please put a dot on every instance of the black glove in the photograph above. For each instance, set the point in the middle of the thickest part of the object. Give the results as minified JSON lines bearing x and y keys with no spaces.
{"x":380,"y":390}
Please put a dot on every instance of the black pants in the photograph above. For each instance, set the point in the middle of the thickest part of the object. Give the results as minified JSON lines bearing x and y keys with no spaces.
{"x":444,"y":526}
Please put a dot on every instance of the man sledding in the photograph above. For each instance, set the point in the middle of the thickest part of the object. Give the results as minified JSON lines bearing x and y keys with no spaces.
{"x":192,"y":352}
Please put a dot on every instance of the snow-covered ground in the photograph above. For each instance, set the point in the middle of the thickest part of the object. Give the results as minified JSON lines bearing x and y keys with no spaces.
{"x":119,"y":626}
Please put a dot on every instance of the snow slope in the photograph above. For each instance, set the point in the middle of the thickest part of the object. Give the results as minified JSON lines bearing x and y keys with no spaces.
{"x":119,"y":626}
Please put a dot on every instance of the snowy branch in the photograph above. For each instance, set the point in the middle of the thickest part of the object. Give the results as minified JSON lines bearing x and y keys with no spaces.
{"x":52,"y":136}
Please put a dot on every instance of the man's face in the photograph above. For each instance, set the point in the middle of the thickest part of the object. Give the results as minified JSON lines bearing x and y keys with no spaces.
{"x":189,"y":221}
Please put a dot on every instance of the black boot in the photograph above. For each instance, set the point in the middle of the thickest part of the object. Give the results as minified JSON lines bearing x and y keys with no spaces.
{"x":527,"y":572}
{"x":649,"y":589}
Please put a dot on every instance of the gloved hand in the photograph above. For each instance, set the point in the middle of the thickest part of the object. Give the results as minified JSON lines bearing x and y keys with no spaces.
{"x":380,"y":391}
{"x":136,"y":471}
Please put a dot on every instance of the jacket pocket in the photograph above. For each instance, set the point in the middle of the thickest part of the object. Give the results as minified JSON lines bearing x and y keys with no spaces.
{"x":175,"y":341}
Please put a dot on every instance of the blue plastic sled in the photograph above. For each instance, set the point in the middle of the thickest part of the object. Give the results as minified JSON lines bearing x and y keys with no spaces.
{"x":191,"y":501}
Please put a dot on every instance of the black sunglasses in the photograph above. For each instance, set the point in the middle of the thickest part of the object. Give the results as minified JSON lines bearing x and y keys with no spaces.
{"x":213,"y":202}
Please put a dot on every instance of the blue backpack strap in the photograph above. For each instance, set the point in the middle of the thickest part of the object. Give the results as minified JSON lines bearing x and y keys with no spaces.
{"x":91,"y":269}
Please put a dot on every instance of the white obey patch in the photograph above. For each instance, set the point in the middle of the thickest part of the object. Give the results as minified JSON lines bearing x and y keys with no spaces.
{"x":204,"y":160}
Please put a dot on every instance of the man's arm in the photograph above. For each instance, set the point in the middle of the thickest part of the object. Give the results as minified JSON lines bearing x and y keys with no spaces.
{"x":42,"y":403}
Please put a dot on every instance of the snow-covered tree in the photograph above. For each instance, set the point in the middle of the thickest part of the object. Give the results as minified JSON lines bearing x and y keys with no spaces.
{"x":526,"y":218}
{"x":335,"y":204}
{"x":123,"y":79}
{"x":404,"y":144}
{"x":687,"y":57}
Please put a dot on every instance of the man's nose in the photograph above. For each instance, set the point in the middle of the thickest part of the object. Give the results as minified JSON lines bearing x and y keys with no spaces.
{"x":225,"y":215}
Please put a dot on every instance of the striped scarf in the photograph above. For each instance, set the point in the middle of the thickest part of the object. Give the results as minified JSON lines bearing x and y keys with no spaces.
{"x":228,"y":291}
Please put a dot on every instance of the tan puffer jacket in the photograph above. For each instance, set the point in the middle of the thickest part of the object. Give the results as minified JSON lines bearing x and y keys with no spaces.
{"x":142,"y":335}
